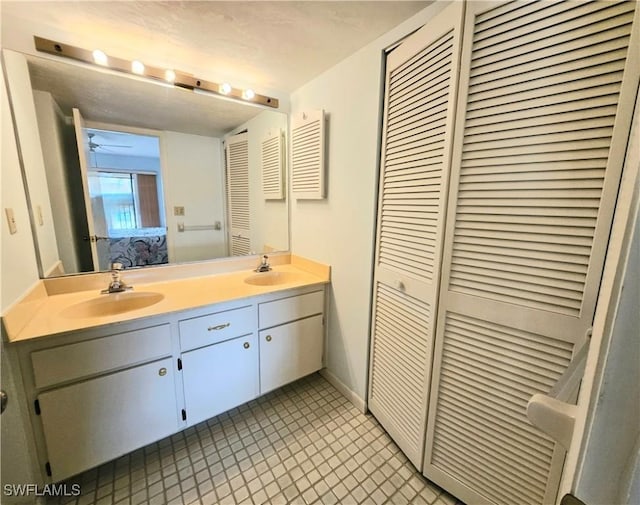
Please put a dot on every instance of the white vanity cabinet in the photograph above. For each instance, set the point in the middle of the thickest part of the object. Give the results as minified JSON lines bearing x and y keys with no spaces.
{"x":96,"y":394}
{"x":94,"y":413}
{"x":219,"y":362}
{"x":291,"y":339}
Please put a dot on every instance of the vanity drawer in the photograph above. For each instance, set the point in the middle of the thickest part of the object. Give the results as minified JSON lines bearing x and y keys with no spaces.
{"x":216,"y":327}
{"x":290,"y":309}
{"x":74,"y":361}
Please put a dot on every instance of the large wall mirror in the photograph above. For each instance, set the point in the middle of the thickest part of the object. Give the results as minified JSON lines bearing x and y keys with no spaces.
{"x":119,"y":169}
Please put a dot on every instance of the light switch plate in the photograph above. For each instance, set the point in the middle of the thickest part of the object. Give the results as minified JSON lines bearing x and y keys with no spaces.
{"x":11,"y":220}
{"x":178,"y":211}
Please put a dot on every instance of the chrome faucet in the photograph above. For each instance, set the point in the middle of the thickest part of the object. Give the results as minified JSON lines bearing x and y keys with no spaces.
{"x":264,"y":265}
{"x":116,"y":285}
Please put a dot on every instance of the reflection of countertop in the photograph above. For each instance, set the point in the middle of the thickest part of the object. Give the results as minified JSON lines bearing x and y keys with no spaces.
{"x":39,"y":316}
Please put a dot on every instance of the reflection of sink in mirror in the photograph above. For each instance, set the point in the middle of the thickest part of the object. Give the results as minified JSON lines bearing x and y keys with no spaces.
{"x":113,"y":304}
{"x":271,"y":278}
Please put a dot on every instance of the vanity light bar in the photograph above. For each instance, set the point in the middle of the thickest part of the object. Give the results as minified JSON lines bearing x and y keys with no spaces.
{"x":175,"y":77}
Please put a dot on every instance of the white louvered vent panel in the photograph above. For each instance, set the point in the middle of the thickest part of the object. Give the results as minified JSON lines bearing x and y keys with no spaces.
{"x":540,"y":113}
{"x":240,"y":245}
{"x":413,"y":158}
{"x":489,"y":372}
{"x":307,"y":155}
{"x":399,"y":361}
{"x":238,"y":184}
{"x":272,"y":167}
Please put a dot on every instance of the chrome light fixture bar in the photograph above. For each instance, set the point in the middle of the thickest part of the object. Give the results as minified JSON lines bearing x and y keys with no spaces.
{"x":167,"y":75}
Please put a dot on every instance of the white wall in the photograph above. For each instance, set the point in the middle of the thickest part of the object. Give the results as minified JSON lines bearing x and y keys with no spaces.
{"x":22,"y":100}
{"x":192,"y":178}
{"x":340,"y":230}
{"x":126,"y":162}
{"x":50,"y":126}
{"x":612,"y":460}
{"x":18,"y":272}
{"x":610,"y":468}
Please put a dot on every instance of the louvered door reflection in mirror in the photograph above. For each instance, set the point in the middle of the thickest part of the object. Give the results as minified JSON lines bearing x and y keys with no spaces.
{"x":416,"y":137}
{"x":237,"y":156}
{"x":545,"y":103}
{"x":272,"y":163}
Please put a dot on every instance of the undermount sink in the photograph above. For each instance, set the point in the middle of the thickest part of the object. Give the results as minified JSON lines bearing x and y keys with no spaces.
{"x":113,"y":304}
{"x":271,"y":278}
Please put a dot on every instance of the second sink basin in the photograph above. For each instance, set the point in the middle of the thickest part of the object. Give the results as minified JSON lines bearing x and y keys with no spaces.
{"x":112,"y":304}
{"x":271,"y":278}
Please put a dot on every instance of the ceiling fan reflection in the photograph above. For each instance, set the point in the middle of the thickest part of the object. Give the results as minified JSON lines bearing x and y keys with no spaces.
{"x":94,"y":145}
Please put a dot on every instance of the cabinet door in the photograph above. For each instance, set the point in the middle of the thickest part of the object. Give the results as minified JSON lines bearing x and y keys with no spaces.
{"x":92,"y":422}
{"x":220,"y":377}
{"x":290,"y":351}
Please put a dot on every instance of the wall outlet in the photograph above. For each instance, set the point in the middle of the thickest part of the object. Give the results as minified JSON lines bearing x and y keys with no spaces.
{"x":11,"y":220}
{"x":178,"y":211}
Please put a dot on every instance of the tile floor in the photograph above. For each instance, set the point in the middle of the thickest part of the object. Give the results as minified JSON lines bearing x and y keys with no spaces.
{"x":302,"y":444}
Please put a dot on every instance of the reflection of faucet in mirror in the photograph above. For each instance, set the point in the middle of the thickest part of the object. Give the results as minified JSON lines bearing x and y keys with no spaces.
{"x":191,"y":184}
{"x":116,"y":285}
{"x":264,"y":264}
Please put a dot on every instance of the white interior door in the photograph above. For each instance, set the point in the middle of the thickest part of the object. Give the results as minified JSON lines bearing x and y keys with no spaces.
{"x":417,"y":137}
{"x":99,"y":231}
{"x":541,"y":131}
{"x":237,"y":156}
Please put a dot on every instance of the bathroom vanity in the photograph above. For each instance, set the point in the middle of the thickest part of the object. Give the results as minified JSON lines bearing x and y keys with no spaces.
{"x":97,"y":392}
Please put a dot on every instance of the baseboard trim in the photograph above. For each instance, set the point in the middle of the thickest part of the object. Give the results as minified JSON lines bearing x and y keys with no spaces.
{"x":358,"y":402}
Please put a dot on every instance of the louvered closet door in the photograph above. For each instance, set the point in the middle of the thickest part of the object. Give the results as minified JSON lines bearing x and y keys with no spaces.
{"x":417,"y":138}
{"x":546,"y":94}
{"x":237,"y":152}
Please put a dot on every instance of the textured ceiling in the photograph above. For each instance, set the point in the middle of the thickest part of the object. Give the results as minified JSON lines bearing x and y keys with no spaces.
{"x":272,"y":47}
{"x":109,"y":97}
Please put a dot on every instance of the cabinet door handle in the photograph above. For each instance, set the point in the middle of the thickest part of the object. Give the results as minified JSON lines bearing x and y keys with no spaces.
{"x":246,"y":345}
{"x":162,"y":372}
{"x":268,"y":338}
{"x":219,"y":327}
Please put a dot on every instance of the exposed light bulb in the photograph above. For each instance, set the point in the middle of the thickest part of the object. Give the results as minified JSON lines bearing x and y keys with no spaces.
{"x":225,"y":88}
{"x":99,"y":57}
{"x":248,"y":94}
{"x":137,"y":67}
{"x":170,"y":75}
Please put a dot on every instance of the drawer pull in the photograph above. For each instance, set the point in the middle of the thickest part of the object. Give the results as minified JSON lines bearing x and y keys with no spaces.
{"x":246,"y":345}
{"x":162,"y":372}
{"x":219,"y":327}
{"x":268,"y":338}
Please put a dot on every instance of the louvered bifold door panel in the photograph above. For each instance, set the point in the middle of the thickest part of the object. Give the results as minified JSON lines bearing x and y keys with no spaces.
{"x":417,"y":138}
{"x":272,"y":167}
{"x":541,"y":130}
{"x":307,"y":155}
{"x":237,"y":151}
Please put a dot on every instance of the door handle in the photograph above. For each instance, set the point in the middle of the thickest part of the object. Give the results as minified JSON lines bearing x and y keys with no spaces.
{"x":3,"y":401}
